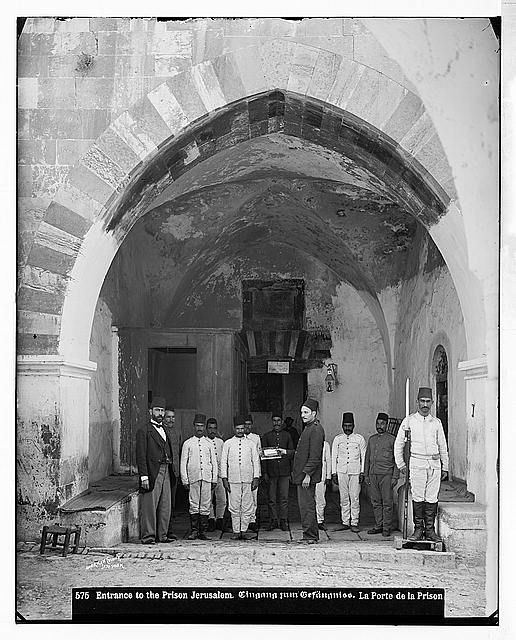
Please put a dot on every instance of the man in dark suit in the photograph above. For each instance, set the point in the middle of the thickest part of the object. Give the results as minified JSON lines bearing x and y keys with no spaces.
{"x":155,"y":459}
{"x":307,"y":469}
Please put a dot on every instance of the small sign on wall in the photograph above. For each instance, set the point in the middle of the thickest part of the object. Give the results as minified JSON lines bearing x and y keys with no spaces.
{"x":274,"y":366}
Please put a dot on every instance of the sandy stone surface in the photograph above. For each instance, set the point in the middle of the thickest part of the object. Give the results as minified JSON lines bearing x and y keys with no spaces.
{"x":45,"y":582}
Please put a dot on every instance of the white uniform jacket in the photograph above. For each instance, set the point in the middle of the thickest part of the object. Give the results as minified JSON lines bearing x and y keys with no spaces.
{"x":428,"y":447}
{"x":198,"y":460}
{"x":254,"y":437}
{"x":240,"y":460}
{"x":326,"y":462}
{"x":348,"y":454}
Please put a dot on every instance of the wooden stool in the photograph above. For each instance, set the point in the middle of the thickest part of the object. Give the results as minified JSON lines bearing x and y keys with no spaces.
{"x":57,"y":532}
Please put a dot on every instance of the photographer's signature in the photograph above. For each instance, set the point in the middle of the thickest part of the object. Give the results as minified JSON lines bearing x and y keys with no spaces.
{"x":106,"y":563}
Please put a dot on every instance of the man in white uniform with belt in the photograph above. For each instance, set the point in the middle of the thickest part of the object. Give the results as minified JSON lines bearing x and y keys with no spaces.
{"x":428,"y":464}
{"x":199,"y":472}
{"x":240,"y":472}
{"x":347,"y":470}
{"x":215,"y":520}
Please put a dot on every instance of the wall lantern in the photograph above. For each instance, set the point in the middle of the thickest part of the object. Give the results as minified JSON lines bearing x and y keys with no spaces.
{"x":331,"y":377}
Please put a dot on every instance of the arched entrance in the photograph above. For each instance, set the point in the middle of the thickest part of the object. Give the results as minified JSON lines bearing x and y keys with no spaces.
{"x":440,"y":371}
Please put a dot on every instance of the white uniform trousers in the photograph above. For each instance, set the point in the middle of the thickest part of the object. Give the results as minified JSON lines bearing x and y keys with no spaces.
{"x":240,"y":505}
{"x":320,"y":500}
{"x":199,"y":496}
{"x":254,"y":497}
{"x":349,"y":489}
{"x":425,"y":483}
{"x":220,"y":501}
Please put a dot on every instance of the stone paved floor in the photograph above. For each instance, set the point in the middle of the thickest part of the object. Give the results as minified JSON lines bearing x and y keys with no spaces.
{"x":272,"y":559}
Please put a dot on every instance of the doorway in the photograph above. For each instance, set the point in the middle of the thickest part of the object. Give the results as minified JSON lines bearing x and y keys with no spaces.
{"x":440,"y":362}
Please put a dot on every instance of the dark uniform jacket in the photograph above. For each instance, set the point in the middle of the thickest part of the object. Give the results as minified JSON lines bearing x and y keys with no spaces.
{"x":294,"y":434}
{"x":151,"y":451}
{"x":280,"y":440}
{"x":379,"y":457}
{"x":308,"y":456}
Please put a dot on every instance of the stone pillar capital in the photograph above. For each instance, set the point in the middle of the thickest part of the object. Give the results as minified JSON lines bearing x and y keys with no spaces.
{"x":54,"y":365}
{"x":474,"y":369}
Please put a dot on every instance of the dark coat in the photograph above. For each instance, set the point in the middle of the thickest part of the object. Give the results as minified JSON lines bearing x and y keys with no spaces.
{"x":150,"y":451}
{"x":308,"y":456}
{"x":281,"y":440}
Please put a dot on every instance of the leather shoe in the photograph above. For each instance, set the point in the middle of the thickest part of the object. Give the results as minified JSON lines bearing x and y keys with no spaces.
{"x":211,"y":524}
{"x":321,"y":526}
{"x":307,"y":541}
{"x":354,"y":528}
{"x":236,"y":536}
{"x":253,"y":526}
{"x":168,"y":539}
{"x":344,"y":527}
{"x":148,"y":541}
{"x":374,"y":530}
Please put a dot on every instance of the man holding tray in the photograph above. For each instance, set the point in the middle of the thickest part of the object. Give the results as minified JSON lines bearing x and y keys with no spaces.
{"x":276,"y":471}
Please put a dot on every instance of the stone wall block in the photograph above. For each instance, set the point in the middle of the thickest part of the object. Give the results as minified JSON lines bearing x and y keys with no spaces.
{"x":44,"y":302}
{"x":276,"y":58}
{"x":35,"y":344}
{"x":167,"y":66}
{"x":23,"y":117}
{"x":93,"y":123}
{"x":375,"y":98}
{"x":63,"y":66}
{"x":57,"y":239}
{"x":302,"y":69}
{"x":41,"y":257}
{"x":168,"y":108}
{"x":208,"y":42}
{"x":107,"y":42}
{"x":368,"y":51}
{"x":54,"y":123}
{"x":28,"y":93}
{"x":103,"y":24}
{"x":90,"y":183}
{"x":118,"y":150}
{"x":185,"y":90}
{"x":67,"y":220}
{"x":70,"y":196}
{"x":39,"y":25}
{"x":36,"y":277}
{"x":431,"y":154}
{"x":36,"y":152}
{"x":47,"y":179}
{"x":76,"y":25}
{"x":94,"y":93}
{"x":319,"y":27}
{"x":24,"y":45}
{"x":177,"y":43}
{"x":56,"y":93}
{"x":32,"y":66}
{"x":419,"y":134}
{"x":347,"y":78}
{"x":406,"y":114}
{"x":76,"y":43}
{"x":103,"y":166}
{"x":207,"y":84}
{"x":325,"y":72}
{"x":24,"y":181}
{"x":248,"y":61}
{"x":68,"y":152}
{"x":35,"y":322}
{"x":142,"y":133}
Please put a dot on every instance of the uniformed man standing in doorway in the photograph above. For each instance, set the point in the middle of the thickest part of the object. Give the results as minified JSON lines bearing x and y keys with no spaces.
{"x":199,"y":473}
{"x":347,"y":470}
{"x":306,"y":469}
{"x":320,"y":487}
{"x":380,"y":475}
{"x":255,"y":439}
{"x":240,"y":472}
{"x":428,"y":464}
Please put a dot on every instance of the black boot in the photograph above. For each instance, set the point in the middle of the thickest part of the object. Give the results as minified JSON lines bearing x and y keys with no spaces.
{"x":430,"y":514}
{"x":211,"y":524}
{"x":194,"y":526}
{"x":419,"y":522}
{"x":219,"y":524}
{"x":203,"y":527}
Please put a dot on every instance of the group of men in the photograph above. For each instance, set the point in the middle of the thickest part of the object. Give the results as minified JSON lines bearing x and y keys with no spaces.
{"x":219,"y":473}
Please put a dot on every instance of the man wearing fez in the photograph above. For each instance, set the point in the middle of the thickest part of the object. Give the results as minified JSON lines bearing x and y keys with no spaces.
{"x":307,"y":468}
{"x":154,"y":458}
{"x":219,"y":495}
{"x":381,"y":474}
{"x":428,"y":464}
{"x":240,"y":472}
{"x":276,"y":473}
{"x":347,"y":470}
{"x":255,"y":438}
{"x":199,"y":472}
